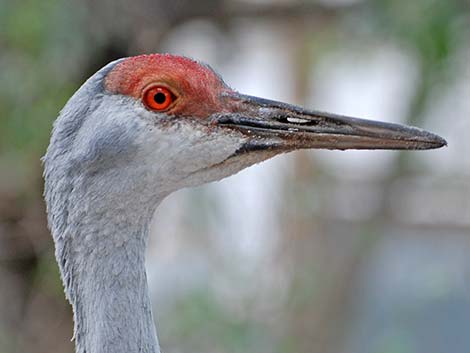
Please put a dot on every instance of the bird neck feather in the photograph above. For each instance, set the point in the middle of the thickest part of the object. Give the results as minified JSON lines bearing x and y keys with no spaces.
{"x":103,"y":268}
{"x":100,"y":238}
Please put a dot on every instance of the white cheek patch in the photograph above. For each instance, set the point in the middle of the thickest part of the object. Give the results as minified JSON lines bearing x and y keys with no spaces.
{"x":172,"y":154}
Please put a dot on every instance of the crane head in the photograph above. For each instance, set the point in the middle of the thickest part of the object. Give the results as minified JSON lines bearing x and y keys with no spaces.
{"x":172,"y":122}
{"x":139,"y":129}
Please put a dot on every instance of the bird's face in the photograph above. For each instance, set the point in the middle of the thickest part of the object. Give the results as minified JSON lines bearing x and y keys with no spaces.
{"x":187,"y":127}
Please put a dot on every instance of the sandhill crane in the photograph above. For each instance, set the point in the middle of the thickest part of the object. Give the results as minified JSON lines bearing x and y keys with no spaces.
{"x":139,"y":129}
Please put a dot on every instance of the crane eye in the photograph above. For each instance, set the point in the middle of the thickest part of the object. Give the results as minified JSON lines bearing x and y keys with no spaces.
{"x":158,"y":98}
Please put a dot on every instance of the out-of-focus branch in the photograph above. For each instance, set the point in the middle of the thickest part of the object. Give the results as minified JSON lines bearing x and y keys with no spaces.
{"x":153,"y":19}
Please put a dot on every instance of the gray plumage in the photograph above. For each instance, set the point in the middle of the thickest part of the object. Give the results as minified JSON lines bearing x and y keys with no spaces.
{"x":102,"y":266}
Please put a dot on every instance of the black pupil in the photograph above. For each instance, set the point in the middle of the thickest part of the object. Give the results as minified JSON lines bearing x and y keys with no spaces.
{"x":160,"y":98}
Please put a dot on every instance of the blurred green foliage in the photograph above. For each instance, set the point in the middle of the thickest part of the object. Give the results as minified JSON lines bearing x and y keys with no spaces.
{"x":232,"y":334}
{"x":42,"y":44}
{"x":433,"y":31}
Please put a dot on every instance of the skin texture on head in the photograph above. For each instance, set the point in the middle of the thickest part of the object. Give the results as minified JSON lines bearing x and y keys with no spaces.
{"x":197,"y":87}
{"x":113,"y":158}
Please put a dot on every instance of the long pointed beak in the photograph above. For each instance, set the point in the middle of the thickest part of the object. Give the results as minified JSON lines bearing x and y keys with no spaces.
{"x":290,"y":127}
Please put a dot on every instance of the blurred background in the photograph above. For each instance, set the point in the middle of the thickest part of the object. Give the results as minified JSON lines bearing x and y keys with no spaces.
{"x":311,"y":252}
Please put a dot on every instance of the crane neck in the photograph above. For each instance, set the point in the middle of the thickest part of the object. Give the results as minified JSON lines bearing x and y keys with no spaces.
{"x":103,"y":268}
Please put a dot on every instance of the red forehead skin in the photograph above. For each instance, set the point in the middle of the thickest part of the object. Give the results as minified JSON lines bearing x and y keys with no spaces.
{"x":196,"y":86}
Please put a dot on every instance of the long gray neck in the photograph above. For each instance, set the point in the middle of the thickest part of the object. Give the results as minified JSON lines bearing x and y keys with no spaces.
{"x":99,"y":215}
{"x":106,"y":283}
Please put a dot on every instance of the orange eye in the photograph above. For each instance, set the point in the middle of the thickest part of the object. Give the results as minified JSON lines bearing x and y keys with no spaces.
{"x":158,"y":98}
